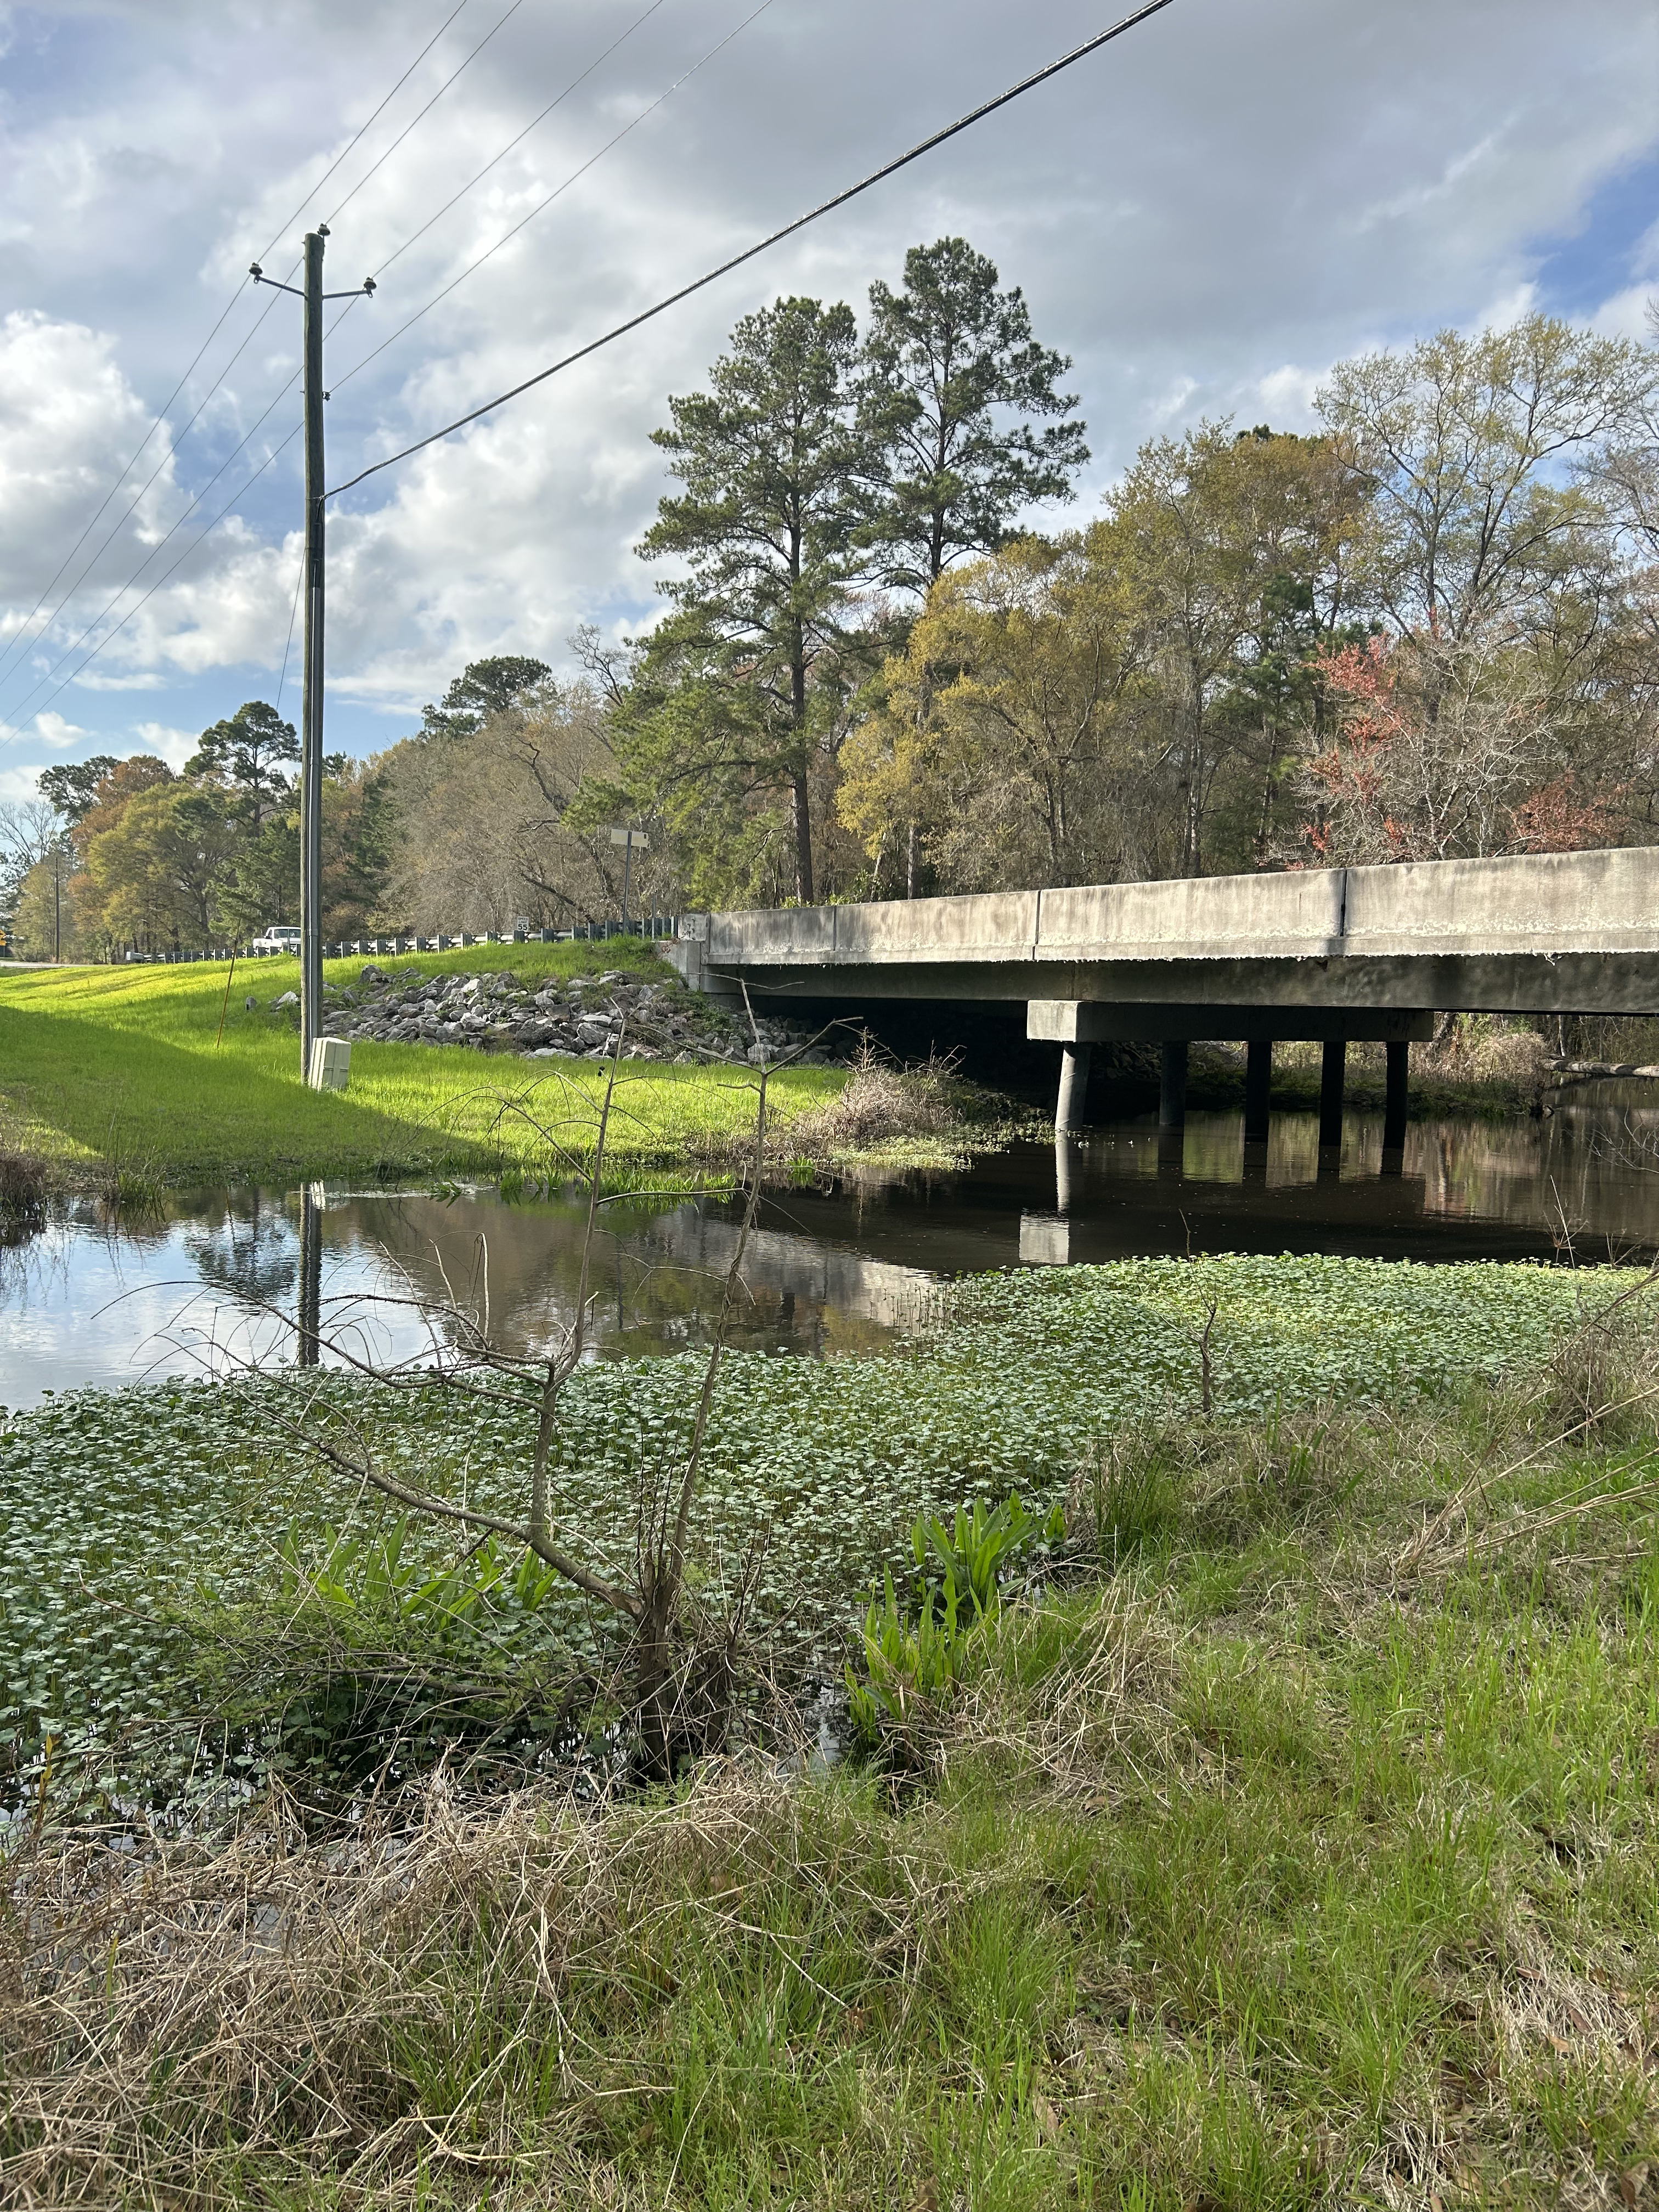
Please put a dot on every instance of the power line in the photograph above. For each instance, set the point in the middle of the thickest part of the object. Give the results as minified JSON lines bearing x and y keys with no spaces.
{"x":825,"y":207}
{"x":133,"y":504}
{"x":116,"y":598}
{"x":574,"y":176}
{"x":292,"y":612}
{"x":890,"y":168}
{"x":495,"y":160}
{"x":155,"y":424}
{"x":121,"y":592}
{"x":184,"y":557}
{"x":21,"y":636}
{"x":115,"y":601}
{"x":421,"y":113}
{"x":122,"y":519}
{"x":373,"y":118}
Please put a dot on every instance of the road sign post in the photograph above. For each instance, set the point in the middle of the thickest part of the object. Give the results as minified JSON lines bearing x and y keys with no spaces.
{"x":632,"y":842}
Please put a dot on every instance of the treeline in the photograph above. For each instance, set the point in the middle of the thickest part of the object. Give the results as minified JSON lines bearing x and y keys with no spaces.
{"x":124,"y":855}
{"x":1431,"y":628}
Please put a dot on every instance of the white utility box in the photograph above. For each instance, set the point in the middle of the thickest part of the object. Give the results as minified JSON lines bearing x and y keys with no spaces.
{"x":330,"y":1063}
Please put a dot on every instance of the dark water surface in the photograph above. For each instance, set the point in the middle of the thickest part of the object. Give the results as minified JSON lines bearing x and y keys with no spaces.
{"x":216,"y":1285}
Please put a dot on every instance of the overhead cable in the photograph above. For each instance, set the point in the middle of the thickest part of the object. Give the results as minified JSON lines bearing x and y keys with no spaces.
{"x":184,"y":557}
{"x":574,"y":176}
{"x":825,"y":207}
{"x":495,"y":160}
{"x":156,"y":422}
{"x":421,"y":114}
{"x":116,"y":598}
{"x":21,"y":637}
{"x":293,"y":613}
{"x":358,"y":139}
{"x":125,"y":516}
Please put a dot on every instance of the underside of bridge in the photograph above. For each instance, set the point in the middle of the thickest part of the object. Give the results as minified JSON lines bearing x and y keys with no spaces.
{"x":1336,"y":955}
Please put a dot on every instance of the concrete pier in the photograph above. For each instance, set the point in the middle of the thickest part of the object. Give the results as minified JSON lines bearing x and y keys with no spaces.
{"x":1258,"y":1089}
{"x":1172,"y":1090}
{"x":1332,"y":1076}
{"x":1393,"y":1109}
{"x":1066,"y":1172}
{"x":1071,"y":1108}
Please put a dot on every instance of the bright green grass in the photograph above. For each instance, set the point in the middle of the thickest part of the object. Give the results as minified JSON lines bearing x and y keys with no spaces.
{"x":121,"y":1066}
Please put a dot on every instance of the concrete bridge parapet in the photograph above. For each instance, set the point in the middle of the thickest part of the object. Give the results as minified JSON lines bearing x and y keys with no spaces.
{"x":1334,"y":954}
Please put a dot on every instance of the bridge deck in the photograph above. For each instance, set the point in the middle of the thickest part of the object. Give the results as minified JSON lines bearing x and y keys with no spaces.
{"x":1313,"y":952}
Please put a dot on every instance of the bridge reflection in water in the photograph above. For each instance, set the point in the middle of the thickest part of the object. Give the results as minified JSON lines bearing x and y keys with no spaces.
{"x":1583,"y":1180}
{"x":235,"y":1277}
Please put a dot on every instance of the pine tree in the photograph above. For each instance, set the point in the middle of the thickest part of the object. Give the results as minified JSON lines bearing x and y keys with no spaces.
{"x":951,"y":377}
{"x":733,"y":697}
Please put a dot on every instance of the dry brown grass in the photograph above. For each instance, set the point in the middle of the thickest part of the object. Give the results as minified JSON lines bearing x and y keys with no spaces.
{"x":880,"y":1106}
{"x":1481,"y":1052}
{"x":1471,"y":1052}
{"x":165,"y":2003}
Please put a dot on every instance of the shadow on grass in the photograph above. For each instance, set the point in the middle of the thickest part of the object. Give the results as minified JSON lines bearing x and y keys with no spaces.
{"x":125,"y":1098}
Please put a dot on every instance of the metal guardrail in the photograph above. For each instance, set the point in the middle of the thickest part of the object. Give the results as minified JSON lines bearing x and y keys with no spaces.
{"x":650,"y":927}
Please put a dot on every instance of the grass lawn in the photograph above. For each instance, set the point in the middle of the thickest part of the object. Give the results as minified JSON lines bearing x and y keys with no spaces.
{"x":119,"y":1067}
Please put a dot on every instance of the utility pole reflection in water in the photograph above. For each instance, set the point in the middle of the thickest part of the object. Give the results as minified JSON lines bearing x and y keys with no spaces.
{"x":310,"y":1317}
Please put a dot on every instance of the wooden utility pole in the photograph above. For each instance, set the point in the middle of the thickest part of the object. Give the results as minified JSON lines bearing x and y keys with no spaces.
{"x":310,"y":715}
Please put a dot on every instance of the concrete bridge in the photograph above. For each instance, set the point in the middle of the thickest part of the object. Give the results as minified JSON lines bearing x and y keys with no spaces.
{"x":1335,"y":955}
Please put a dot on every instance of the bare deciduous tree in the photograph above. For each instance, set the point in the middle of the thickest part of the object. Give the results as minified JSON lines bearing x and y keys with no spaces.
{"x":486,"y":835}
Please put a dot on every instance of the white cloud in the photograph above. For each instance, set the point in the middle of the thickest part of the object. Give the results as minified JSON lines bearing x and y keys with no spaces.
{"x":1629,"y":313}
{"x":1218,"y":200}
{"x":54,"y":730}
{"x":99,"y":678}
{"x":20,"y":784}
{"x":174,"y":747}
{"x":1287,"y":395}
{"x":68,"y":421}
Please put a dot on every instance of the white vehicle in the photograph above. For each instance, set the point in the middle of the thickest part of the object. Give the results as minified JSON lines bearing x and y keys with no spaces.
{"x":278,"y":937}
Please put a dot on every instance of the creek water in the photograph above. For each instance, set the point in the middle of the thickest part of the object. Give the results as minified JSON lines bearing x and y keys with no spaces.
{"x":214,"y":1285}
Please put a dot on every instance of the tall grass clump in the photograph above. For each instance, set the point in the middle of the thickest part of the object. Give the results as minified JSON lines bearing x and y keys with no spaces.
{"x":26,"y":1181}
{"x":882,"y":1106}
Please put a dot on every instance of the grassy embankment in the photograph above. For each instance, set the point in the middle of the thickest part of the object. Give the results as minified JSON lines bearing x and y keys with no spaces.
{"x":1295,"y":1845}
{"x":116,"y":1069}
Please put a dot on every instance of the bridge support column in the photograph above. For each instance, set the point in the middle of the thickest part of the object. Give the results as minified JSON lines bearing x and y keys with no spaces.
{"x":1064,"y":1164}
{"x":1172,"y":1091}
{"x":1172,"y":1111}
{"x":1074,"y":1087}
{"x":1393,"y":1109}
{"x":1332,"y":1074}
{"x":1258,"y":1086}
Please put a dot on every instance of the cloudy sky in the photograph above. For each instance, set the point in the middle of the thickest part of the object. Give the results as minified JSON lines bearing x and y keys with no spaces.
{"x":1205,"y":216}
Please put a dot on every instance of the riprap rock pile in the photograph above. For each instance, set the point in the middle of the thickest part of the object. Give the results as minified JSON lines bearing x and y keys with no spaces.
{"x":503,"y":1012}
